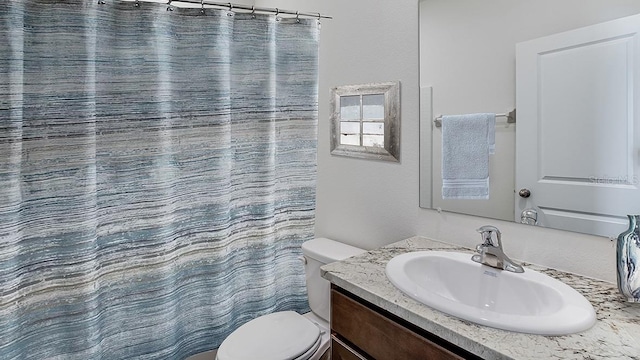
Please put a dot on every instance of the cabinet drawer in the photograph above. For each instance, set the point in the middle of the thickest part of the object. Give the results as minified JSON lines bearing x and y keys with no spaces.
{"x":342,"y":351}
{"x":379,"y":336}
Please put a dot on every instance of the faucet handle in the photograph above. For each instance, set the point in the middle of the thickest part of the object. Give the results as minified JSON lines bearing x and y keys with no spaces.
{"x":487,"y":238}
{"x":486,"y":228}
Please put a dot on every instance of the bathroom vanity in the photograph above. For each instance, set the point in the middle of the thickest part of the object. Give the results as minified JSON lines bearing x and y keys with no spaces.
{"x":373,"y":319}
{"x":360,"y":329}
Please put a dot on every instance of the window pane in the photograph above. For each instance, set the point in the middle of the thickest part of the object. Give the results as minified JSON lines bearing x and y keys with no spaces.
{"x":373,"y":106}
{"x":375,"y":128}
{"x":350,"y":139}
{"x":373,"y":140}
{"x":350,"y":107}
{"x":349,"y":127}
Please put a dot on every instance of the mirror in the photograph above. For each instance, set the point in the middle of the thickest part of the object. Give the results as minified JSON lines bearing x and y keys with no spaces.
{"x":468,"y":65}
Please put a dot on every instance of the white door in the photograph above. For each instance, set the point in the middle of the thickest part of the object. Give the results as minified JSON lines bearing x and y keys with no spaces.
{"x":578,"y":131}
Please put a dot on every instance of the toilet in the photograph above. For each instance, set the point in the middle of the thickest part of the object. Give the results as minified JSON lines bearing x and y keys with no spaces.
{"x":287,"y":335}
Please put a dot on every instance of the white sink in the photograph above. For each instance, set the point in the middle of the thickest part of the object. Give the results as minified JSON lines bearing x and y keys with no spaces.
{"x":529,"y":302}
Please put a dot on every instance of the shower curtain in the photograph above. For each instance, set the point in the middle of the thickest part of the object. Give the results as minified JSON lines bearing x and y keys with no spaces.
{"x":157,"y":175}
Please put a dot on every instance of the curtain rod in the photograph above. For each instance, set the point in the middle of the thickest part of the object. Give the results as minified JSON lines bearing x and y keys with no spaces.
{"x":232,"y":6}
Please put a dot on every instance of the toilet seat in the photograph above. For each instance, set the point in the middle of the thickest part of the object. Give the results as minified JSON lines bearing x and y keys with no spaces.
{"x":311,"y":351}
{"x":284,"y":335}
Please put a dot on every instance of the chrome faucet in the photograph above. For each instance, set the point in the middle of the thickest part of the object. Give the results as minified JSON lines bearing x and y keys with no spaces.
{"x":490,"y":252}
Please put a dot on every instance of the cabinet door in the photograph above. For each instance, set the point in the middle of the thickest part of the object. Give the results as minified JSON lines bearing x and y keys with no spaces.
{"x":377,"y":335}
{"x":578,"y":131}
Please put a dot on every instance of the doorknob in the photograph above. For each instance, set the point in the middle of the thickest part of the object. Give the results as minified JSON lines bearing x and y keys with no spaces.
{"x":525,"y":193}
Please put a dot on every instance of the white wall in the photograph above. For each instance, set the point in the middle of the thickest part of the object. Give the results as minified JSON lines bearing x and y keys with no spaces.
{"x":367,"y":203}
{"x":371,"y":203}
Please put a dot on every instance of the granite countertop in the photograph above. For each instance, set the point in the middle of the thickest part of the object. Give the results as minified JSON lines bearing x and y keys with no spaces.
{"x":616,"y":334}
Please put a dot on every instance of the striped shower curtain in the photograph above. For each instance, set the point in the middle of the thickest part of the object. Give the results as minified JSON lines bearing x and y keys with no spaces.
{"x":157,"y":175}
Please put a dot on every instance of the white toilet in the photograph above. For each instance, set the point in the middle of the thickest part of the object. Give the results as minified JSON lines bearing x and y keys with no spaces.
{"x":287,"y":335}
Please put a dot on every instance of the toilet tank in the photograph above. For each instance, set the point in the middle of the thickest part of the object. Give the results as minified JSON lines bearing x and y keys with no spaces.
{"x":318,"y":252}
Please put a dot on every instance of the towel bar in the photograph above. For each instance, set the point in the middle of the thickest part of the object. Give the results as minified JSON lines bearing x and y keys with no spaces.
{"x":511,"y":118}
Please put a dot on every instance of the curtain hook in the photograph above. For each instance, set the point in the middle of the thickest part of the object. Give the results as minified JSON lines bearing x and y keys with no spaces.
{"x":169,"y":7}
{"x":137,"y":4}
{"x":277,"y":13}
{"x":202,"y":8}
{"x":230,"y":13}
{"x":253,"y":12}
{"x":297,"y":17}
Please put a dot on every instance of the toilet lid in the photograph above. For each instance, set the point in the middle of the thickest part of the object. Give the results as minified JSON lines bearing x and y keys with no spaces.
{"x":284,"y":335}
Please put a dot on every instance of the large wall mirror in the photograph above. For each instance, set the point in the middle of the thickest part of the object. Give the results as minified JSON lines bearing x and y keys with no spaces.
{"x":572,"y":159}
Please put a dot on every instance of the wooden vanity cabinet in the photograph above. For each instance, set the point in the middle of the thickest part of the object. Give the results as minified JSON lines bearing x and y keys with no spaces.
{"x":361,"y":330}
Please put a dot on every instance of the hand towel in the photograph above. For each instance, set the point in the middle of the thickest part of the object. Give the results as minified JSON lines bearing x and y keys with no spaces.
{"x":492,"y":133}
{"x":467,"y":141}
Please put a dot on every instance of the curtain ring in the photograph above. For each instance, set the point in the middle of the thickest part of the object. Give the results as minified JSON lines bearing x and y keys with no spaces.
{"x":137,"y":4}
{"x":101,"y":2}
{"x":169,"y":7}
{"x":230,"y":7}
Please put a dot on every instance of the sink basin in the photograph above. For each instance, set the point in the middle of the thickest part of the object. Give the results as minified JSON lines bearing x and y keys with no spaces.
{"x":529,"y":302}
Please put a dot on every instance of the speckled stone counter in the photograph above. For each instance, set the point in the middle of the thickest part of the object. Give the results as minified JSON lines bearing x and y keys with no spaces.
{"x":616,"y":334}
